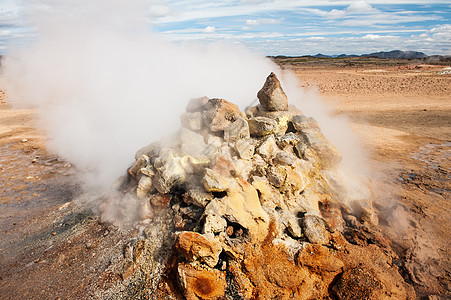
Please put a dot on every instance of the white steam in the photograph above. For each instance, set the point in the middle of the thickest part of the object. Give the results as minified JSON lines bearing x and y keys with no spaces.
{"x":104,"y":86}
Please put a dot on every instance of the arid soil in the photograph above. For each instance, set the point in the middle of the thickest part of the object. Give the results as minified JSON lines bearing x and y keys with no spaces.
{"x":403,"y":116}
{"x":53,"y":247}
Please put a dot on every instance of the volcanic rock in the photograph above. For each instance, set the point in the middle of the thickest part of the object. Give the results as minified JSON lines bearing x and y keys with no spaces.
{"x":245,"y":149}
{"x":271,"y":96}
{"x":315,"y":230}
{"x":254,"y":203}
{"x":219,"y":114}
{"x":196,"y":247}
{"x":261,"y":126}
{"x":198,"y":283}
{"x":236,"y":131}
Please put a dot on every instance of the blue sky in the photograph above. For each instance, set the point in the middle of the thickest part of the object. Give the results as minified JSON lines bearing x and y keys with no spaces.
{"x":285,"y":27}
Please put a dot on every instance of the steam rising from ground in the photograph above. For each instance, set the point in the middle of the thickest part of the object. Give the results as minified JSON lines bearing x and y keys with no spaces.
{"x":104,"y":86}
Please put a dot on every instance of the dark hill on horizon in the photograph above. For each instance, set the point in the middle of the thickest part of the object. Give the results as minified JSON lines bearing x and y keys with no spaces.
{"x":397,"y":54}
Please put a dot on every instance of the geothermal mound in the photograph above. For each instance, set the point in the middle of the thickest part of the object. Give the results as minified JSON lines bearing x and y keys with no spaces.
{"x":247,"y":206}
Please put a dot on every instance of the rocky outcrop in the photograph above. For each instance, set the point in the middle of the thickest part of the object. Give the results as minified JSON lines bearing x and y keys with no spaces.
{"x":250,"y":203}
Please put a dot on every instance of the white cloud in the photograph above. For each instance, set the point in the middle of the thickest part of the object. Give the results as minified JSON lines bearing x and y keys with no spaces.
{"x":252,"y":22}
{"x":356,"y":8}
{"x":159,"y":10}
{"x":360,"y":7}
{"x":209,"y":29}
{"x":316,"y":38}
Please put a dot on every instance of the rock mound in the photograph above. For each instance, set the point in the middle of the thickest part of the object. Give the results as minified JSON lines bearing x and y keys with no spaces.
{"x":240,"y":205}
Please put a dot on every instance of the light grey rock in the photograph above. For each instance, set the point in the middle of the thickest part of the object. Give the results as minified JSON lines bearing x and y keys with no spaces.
{"x":245,"y":149}
{"x":214,"y":223}
{"x":197,"y":196}
{"x":315,"y":230}
{"x":261,"y":126}
{"x":284,"y":158}
{"x":214,"y":182}
{"x":236,"y":131}
{"x":268,"y":149}
{"x":145,"y":187}
{"x":276,"y":175}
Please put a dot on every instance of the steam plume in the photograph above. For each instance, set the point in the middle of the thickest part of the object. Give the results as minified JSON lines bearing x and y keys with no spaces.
{"x":104,"y":86}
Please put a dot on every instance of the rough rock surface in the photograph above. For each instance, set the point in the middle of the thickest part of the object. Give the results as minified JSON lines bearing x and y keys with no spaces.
{"x":271,"y":96}
{"x":249,"y":205}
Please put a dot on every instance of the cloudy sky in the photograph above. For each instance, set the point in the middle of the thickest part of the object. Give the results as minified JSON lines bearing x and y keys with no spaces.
{"x":283,"y":27}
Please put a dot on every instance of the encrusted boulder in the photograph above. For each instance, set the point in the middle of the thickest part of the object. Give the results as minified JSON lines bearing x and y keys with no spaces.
{"x":261,"y":126}
{"x":197,"y":247}
{"x":271,"y":96}
{"x":238,"y":130}
{"x":201,"y":283}
{"x":218,"y":114}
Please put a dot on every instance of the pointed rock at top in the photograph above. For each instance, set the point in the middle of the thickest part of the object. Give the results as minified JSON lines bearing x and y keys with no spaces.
{"x":271,"y":96}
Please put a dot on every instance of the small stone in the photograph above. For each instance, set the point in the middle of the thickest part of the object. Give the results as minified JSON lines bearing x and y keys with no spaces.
{"x":293,"y":227}
{"x":197,"y":247}
{"x":276,"y":175}
{"x":236,"y":131}
{"x":200,"y":283}
{"x":229,"y":230}
{"x":268,"y":149}
{"x":214,"y":224}
{"x":197,"y":196}
{"x":284,"y":158}
{"x":145,"y":187}
{"x":315,"y":230}
{"x":24,"y":140}
{"x":140,"y":163}
{"x":223,"y":166}
{"x":214,"y":182}
{"x":287,"y":140}
{"x":271,"y":96}
{"x":261,"y":126}
{"x":245,"y":149}
{"x":219,"y":114}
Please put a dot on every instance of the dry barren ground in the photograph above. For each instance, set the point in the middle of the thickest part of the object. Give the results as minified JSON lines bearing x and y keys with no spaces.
{"x":50,"y":249}
{"x":403,"y":116}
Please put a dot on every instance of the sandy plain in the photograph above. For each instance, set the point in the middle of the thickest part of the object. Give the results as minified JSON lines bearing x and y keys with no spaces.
{"x":401,"y":111}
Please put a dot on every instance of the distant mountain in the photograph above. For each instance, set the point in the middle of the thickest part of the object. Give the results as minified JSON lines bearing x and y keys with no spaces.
{"x":346,"y":55}
{"x":319,"y":55}
{"x":397,"y":54}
